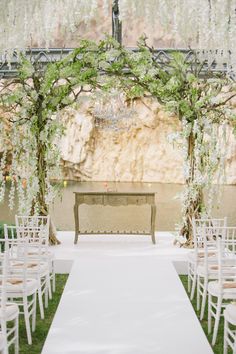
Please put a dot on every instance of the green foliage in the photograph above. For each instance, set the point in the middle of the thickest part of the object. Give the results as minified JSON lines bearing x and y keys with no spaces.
{"x":198,"y":99}
{"x":26,"y":68}
{"x":40,"y":92}
{"x":33,"y":101}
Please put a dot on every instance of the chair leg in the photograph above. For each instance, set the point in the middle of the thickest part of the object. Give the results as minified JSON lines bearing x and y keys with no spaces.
{"x":198,"y":293}
{"x":217,"y":320}
{"x":16,"y":344}
{"x":225,"y":336}
{"x":5,"y":336}
{"x":189,"y":278}
{"x":5,"y":349}
{"x":40,"y":301}
{"x":49,"y":286}
{"x":53,"y":278}
{"x":193,"y":286}
{"x":209,"y":313}
{"x":46,"y":295}
{"x":204,"y":296}
{"x":27,"y":319}
{"x":34,"y":312}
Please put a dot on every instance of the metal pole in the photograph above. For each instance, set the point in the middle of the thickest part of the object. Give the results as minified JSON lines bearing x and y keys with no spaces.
{"x":116,"y":23}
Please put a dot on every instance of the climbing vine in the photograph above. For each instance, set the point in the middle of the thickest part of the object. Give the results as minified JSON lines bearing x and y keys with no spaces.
{"x":31,"y":106}
{"x":201,"y":102}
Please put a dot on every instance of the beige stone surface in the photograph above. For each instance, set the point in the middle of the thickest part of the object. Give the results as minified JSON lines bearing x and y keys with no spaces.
{"x":140,"y":152}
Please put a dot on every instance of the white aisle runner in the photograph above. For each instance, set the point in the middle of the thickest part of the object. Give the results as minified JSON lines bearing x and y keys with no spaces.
{"x":124,"y":303}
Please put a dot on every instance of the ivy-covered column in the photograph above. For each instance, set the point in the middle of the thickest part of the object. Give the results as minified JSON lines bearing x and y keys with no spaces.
{"x":41,"y":165}
{"x":193,"y":198}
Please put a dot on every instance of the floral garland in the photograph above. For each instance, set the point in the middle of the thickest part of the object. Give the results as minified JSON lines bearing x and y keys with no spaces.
{"x":207,"y":25}
{"x":26,"y":22}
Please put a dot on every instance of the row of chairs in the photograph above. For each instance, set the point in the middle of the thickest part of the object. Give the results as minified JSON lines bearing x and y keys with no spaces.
{"x":212,"y":274}
{"x":27,"y":276}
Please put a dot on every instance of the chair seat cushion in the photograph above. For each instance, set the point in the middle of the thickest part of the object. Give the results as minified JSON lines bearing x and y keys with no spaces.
{"x":11,"y":311}
{"x":199,"y":257}
{"x":33,"y":267}
{"x":228,"y":291}
{"x":44,"y":254}
{"x":2,"y":341}
{"x":17,"y":286}
{"x":212,"y":271}
{"x":230,"y":313}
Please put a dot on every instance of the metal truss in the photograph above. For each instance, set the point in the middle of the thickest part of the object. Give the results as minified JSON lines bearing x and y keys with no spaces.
{"x":45,"y":56}
{"x":162,"y":56}
{"x":42,"y":55}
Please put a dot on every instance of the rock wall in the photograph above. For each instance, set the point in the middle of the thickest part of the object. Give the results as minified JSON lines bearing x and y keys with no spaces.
{"x":139,"y":152}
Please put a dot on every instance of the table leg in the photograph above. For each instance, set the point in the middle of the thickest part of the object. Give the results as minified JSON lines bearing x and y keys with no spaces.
{"x":76,"y":214}
{"x":153,"y":219}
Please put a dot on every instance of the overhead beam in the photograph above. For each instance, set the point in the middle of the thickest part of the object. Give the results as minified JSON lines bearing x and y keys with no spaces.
{"x":45,"y":56}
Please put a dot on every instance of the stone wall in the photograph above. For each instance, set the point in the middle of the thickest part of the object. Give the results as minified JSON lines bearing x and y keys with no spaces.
{"x":141,"y":152}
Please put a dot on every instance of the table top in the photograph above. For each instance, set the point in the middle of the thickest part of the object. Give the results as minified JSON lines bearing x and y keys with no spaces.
{"x":115,"y":193}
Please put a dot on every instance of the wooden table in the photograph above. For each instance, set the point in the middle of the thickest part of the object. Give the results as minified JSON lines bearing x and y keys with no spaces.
{"x":115,"y":199}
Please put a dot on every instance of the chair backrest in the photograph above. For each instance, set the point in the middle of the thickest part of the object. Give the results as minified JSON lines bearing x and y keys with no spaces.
{"x":4,"y":267}
{"x":35,"y":220}
{"x":226,"y":262}
{"x":207,"y":254}
{"x":10,"y":239}
{"x":206,"y":229}
{"x":18,"y":251}
{"x":218,"y":247}
{"x":32,"y":226}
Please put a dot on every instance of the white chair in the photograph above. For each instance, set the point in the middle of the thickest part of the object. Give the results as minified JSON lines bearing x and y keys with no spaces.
{"x":37,"y":267}
{"x":9,"y":312}
{"x":229,"y":333}
{"x":43,"y":224}
{"x":224,"y":288}
{"x":3,"y":344}
{"x":21,"y":287}
{"x":195,"y":258}
{"x":207,"y":268}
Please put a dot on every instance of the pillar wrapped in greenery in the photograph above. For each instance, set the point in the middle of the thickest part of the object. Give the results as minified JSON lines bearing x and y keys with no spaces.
{"x":31,"y":127}
{"x":200,"y":99}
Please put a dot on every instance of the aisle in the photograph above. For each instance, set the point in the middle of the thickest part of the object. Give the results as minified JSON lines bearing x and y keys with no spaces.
{"x":124,"y":301}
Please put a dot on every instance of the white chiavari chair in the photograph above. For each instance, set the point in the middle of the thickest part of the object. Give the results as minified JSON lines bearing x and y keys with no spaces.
{"x":207,"y":269}
{"x":38,"y":268}
{"x":21,"y":286}
{"x":43,"y":224}
{"x":230,"y":328}
{"x":224,"y":288}
{"x":9,"y":312}
{"x":195,"y":257}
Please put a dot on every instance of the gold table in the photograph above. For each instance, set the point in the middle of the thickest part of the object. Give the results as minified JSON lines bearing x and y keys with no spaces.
{"x":115,"y":199}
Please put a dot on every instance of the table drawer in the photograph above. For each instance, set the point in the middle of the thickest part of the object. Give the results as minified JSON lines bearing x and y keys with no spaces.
{"x":93,"y":199}
{"x":115,"y":200}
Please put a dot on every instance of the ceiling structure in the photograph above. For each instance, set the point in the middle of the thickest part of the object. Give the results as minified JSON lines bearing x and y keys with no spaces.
{"x":9,"y":63}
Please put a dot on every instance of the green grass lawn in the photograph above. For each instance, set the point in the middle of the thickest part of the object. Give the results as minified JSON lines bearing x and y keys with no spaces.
{"x":218,"y":347}
{"x":42,"y":326}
